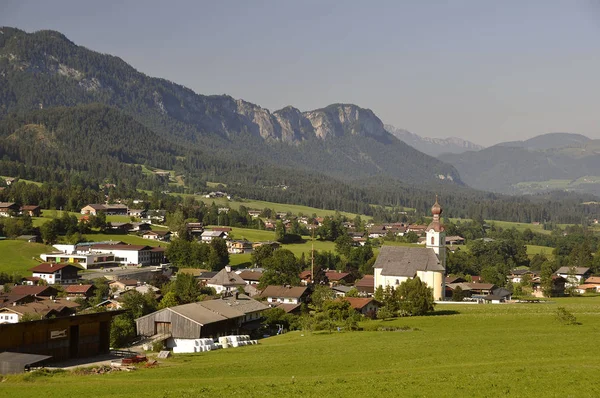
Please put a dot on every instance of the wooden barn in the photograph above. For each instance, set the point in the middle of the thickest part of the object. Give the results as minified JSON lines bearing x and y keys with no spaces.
{"x":77,"y":336}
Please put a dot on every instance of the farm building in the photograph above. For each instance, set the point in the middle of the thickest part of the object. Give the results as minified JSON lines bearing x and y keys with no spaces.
{"x":62,"y":338}
{"x":211,"y":318}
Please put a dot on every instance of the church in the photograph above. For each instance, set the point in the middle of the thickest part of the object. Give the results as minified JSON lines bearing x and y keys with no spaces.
{"x":395,"y":264}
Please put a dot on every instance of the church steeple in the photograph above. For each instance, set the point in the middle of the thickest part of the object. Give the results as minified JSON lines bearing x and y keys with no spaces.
{"x":436,"y":240}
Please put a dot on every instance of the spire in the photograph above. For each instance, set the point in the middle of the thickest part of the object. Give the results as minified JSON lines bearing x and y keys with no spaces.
{"x":436,"y":211}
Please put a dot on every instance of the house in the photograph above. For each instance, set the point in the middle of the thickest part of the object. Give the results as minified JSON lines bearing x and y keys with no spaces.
{"x":587,"y":287}
{"x":154,"y":216}
{"x":365,"y":286}
{"x":272,"y":243}
{"x":122,"y":285}
{"x":365,"y":306}
{"x":140,"y":227}
{"x":227,"y":230}
{"x":138,"y":213}
{"x":12,"y":299}
{"x":128,"y":254}
{"x":195,"y":229}
{"x":77,"y":291}
{"x":359,"y":241}
{"x":163,"y":236}
{"x":498,"y":295}
{"x":239,"y":246}
{"x":208,"y":236}
{"x":455,"y":240}
{"x":109,"y":209}
{"x":42,"y":309}
{"x":35,"y":291}
{"x":418,"y":229}
{"x":285,"y":294}
{"x":254,"y":213}
{"x":204,"y":319}
{"x":31,"y":210}
{"x":516,"y":275}
{"x":225,"y":281}
{"x":86,"y":260}
{"x":295,"y":309}
{"x":482,"y":289}
{"x":8,"y":209}
{"x":339,"y":278}
{"x":251,"y":277}
{"x":341,"y":290}
{"x":54,"y":273}
{"x":30,"y":238}
{"x":574,"y":275}
{"x":558,"y":286}
{"x":377,"y":231}
{"x":204,"y":276}
{"x":120,"y":227}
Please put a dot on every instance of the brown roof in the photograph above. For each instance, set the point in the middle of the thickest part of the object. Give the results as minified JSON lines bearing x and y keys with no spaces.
{"x":366,"y":281}
{"x":250,"y":275}
{"x":29,"y":207}
{"x":567,"y":270}
{"x":50,"y":268}
{"x":222,"y":229}
{"x":283,"y":291}
{"x":33,"y":290}
{"x":481,"y":286}
{"x":358,"y":303}
{"x":336,"y":276}
{"x":75,"y":289}
{"x":593,"y":279}
{"x":289,"y":307}
{"x":305,"y":274}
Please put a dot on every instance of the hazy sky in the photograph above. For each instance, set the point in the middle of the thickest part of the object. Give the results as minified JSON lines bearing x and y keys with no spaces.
{"x":486,"y":71}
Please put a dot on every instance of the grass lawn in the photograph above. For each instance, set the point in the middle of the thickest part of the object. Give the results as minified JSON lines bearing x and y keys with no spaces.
{"x":532,"y":250}
{"x":17,"y":256}
{"x":518,"y":350}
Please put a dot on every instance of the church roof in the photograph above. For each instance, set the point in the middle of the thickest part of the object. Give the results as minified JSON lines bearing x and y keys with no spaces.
{"x":406,"y":261}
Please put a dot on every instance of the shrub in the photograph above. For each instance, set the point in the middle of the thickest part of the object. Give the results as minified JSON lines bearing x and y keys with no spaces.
{"x":565,"y":317}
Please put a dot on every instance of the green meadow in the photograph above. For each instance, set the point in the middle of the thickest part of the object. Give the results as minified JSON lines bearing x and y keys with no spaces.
{"x":18,"y":256}
{"x":516,"y":350}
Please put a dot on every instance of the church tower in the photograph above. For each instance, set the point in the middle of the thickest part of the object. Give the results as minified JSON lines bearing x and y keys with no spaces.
{"x":436,"y":240}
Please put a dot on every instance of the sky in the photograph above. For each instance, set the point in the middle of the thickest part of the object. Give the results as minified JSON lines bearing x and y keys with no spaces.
{"x":485,"y":71}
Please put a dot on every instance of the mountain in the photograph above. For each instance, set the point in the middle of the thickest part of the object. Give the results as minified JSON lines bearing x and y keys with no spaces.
{"x":433,"y":146}
{"x":556,"y":161}
{"x":45,"y":69}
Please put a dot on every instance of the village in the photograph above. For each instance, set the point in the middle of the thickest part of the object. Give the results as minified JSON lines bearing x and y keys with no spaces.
{"x":93,"y":298}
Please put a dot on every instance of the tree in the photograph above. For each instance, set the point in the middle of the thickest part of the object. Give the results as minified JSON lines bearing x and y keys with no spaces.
{"x":218,"y":256}
{"x":185,"y":287}
{"x":168,"y":300}
{"x":260,"y":254}
{"x":280,"y":269}
{"x":279,"y":231}
{"x":546,"y":281}
{"x":458,"y":294}
{"x":343,"y":245}
{"x":320,"y":295}
{"x":416,"y":298}
{"x":122,"y":330}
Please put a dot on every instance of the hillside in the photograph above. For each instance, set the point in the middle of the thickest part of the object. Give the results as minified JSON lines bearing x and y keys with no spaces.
{"x":45,"y":69}
{"x":433,"y":146}
{"x":543,"y":163}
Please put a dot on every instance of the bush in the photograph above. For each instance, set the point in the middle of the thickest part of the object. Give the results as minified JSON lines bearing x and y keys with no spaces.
{"x":565,"y":317}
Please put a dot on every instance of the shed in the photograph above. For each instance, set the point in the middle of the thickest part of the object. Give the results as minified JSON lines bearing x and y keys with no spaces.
{"x":16,"y":362}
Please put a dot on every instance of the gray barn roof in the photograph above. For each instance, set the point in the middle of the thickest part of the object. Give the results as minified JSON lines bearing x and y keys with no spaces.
{"x":406,"y":261}
{"x":15,"y":362}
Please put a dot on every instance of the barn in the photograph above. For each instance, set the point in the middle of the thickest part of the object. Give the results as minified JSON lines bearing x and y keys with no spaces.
{"x":62,"y":338}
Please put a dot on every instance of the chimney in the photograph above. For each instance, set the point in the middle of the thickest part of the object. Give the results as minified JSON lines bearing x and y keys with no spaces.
{"x":227,"y":268}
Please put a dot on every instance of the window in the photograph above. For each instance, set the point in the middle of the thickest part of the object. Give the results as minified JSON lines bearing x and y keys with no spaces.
{"x":432,"y":239}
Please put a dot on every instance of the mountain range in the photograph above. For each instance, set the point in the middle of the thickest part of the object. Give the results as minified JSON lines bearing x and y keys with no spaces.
{"x":433,"y":146}
{"x":555,"y":161}
{"x":345,"y":141}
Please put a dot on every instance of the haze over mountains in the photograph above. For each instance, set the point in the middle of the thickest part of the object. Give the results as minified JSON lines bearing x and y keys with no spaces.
{"x":433,"y":146}
{"x":556,"y":161}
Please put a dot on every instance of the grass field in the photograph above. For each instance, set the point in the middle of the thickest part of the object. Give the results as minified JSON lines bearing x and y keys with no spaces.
{"x":532,"y":250}
{"x":17,"y":256}
{"x":518,"y":350}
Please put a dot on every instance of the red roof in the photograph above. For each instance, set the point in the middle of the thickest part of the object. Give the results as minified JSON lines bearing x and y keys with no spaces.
{"x":366,"y":281}
{"x":50,"y":268}
{"x":336,"y":276}
{"x":78,"y":288}
{"x":358,"y":303}
{"x":32,"y":290}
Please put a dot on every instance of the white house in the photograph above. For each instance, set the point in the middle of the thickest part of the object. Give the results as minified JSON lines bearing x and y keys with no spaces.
{"x":225,"y":281}
{"x":86,"y":260}
{"x":573,"y":275}
{"x":208,"y":236}
{"x":126,"y":254}
{"x":54,"y":273}
{"x":285,"y":294}
{"x":396,"y":264}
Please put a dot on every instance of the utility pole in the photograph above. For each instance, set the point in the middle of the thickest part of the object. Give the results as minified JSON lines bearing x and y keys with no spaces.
{"x":312,"y":255}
